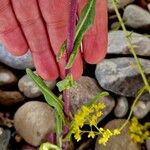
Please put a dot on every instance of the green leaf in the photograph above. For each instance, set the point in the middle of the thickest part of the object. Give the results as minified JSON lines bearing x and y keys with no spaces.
{"x":49,"y":146}
{"x":58,"y":128}
{"x":51,"y":99}
{"x":61,"y":51}
{"x":67,"y":83}
{"x":97,"y":97}
{"x":69,"y":134}
{"x":86,"y":19}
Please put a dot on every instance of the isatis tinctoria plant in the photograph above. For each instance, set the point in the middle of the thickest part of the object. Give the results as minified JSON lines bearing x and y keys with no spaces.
{"x":70,"y":46}
{"x":91,"y":112}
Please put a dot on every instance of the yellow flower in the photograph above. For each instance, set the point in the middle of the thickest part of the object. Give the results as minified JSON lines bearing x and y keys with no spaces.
{"x":116,"y":132}
{"x":138,"y":132}
{"x":87,"y":115}
{"x":91,"y":134}
{"x":105,"y":137}
{"x":77,"y":135}
{"x":98,"y":114}
{"x":93,"y":120}
{"x":98,"y":106}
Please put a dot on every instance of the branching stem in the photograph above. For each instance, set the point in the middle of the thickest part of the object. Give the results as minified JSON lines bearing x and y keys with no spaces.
{"x":131,"y":46}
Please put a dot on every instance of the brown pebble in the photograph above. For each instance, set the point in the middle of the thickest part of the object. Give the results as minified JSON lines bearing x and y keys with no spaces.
{"x":8,"y":98}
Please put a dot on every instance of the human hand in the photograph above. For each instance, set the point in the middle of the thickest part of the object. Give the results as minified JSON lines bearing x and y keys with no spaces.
{"x":41,"y":26}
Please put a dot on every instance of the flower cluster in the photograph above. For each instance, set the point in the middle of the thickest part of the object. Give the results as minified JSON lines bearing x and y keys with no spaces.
{"x":138,"y":132}
{"x":90,"y":115}
{"x":107,"y":134}
{"x":87,"y":115}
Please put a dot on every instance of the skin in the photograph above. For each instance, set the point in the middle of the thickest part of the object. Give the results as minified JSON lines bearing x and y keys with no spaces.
{"x":41,"y":26}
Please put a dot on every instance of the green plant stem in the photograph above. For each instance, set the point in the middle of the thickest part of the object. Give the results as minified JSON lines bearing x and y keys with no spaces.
{"x":131,"y":47}
{"x":132,"y":107}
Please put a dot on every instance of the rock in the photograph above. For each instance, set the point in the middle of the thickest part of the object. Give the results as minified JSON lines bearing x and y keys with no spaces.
{"x":122,"y":141}
{"x":33,"y":121}
{"x":136,"y":17}
{"x":121,"y":108}
{"x":27,"y":147}
{"x":8,"y":98}
{"x":148,"y":6}
{"x":86,"y":88}
{"x":117,"y":43}
{"x":5,"y":120}
{"x":17,"y":62}
{"x":6,"y":76}
{"x":120,"y":4}
{"x":148,"y":144}
{"x":29,"y":89}
{"x":141,"y":109}
{"x":5,"y":136}
{"x":121,"y":75}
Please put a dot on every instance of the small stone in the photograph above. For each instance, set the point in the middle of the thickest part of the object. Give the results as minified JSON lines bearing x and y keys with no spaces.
{"x":17,"y":62}
{"x":5,"y":120}
{"x":8,"y":98}
{"x":117,"y":43}
{"x":27,"y":147}
{"x":6,"y":76}
{"x":121,"y":108}
{"x":148,"y":6}
{"x":5,"y":136}
{"x":136,"y":17}
{"x":85,"y":89}
{"x":121,"y":75}
{"x":148,"y":144}
{"x":34,"y":121}
{"x":120,"y":4}
{"x":141,"y":109}
{"x":119,"y":142}
{"x":29,"y":89}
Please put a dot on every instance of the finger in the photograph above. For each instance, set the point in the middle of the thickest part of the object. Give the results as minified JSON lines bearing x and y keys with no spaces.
{"x":29,"y":17}
{"x":56,"y":13}
{"x":95,"y":40}
{"x":76,"y":70}
{"x":10,"y":33}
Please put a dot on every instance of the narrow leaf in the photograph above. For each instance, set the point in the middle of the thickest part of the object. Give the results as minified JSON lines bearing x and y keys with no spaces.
{"x":51,"y":99}
{"x":86,"y":19}
{"x":61,"y":51}
{"x":69,"y":134}
{"x":67,"y":83}
{"x":58,"y":128}
{"x":97,"y":97}
{"x":49,"y":146}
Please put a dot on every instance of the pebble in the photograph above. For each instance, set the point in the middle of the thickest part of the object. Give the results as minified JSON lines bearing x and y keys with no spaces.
{"x":5,"y":136}
{"x":85,"y":89}
{"x":141,"y":109}
{"x":121,"y":108}
{"x":8,"y":98}
{"x":16,"y":62}
{"x":120,"y":142}
{"x":117,"y":43}
{"x":121,"y":75}
{"x":136,"y":17}
{"x":148,"y":144}
{"x":148,"y":6}
{"x":120,"y":4}
{"x":29,"y":89}
{"x":7,"y":76}
{"x":27,"y":147}
{"x":33,"y":121}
